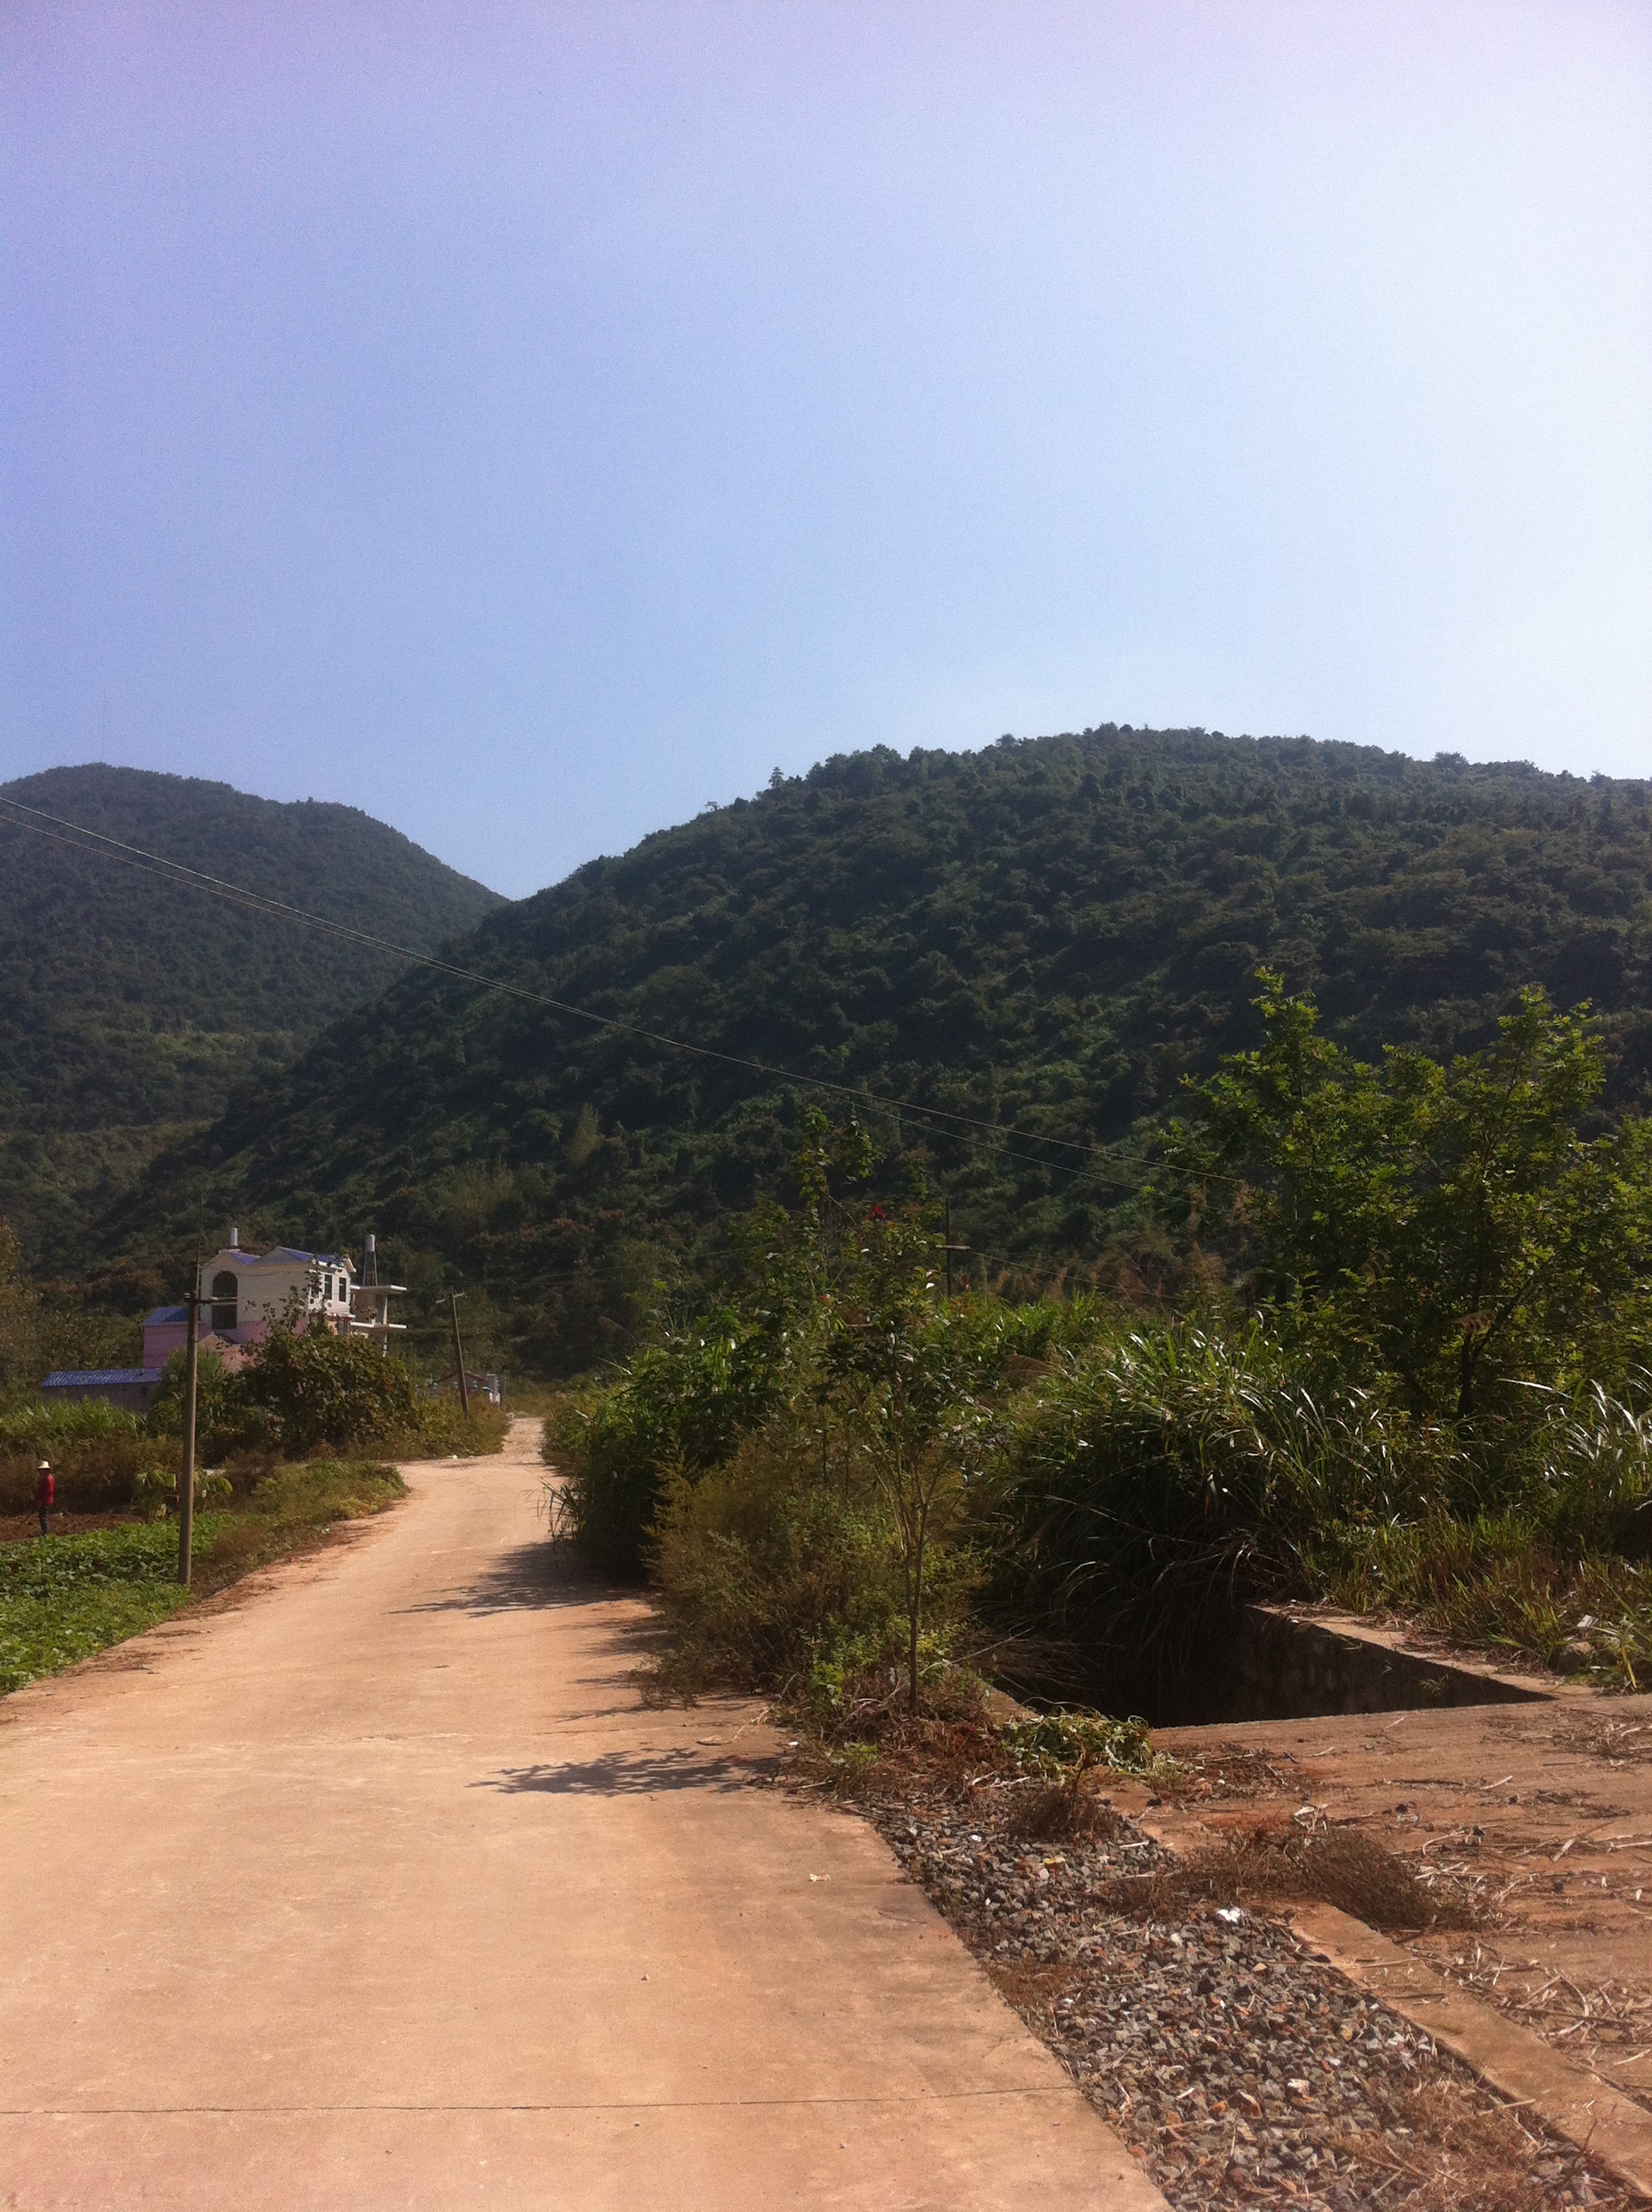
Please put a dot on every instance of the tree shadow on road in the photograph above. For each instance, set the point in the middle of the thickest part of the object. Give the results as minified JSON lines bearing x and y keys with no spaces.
{"x":528,"y":1578}
{"x":631,"y":1774}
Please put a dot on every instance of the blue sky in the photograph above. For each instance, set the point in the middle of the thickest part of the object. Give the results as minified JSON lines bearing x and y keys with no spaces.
{"x":529,"y":423}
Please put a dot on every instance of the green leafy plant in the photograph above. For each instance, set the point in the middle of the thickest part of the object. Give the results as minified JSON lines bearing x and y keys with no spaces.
{"x":1444,"y":1223}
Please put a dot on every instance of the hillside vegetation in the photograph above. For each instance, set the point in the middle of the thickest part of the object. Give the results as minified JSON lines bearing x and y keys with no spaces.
{"x":131,"y":1007}
{"x":1428,"y":1388}
{"x":1046,"y":936}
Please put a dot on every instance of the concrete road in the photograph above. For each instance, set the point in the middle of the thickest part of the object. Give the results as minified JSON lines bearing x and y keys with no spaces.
{"x":382,"y":1887}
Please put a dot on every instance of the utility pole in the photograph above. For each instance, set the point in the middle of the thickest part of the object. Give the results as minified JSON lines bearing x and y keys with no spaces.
{"x":186,"y":1479}
{"x":948,"y":1246}
{"x":453,"y":1297}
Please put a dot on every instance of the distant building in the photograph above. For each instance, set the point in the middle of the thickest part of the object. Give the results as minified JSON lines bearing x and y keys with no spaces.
{"x":373,"y":1300}
{"x":242,"y":1293}
{"x":489,"y":1389}
{"x":133,"y":1387}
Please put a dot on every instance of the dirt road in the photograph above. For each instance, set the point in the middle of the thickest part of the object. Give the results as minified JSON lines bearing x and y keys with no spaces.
{"x":381,"y":1887}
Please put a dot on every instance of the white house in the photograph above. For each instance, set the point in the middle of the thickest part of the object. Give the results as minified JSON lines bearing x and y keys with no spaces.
{"x":243,"y":1292}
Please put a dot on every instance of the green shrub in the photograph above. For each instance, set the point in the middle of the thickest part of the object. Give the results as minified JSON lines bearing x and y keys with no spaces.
{"x":439,"y":1428}
{"x":312,"y":1391}
{"x":1174,"y":1470}
{"x":677,"y":1407}
{"x":48,"y":1430}
{"x":766,"y":1569}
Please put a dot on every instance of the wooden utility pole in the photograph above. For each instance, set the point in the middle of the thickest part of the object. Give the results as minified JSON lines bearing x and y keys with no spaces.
{"x":186,"y":1479}
{"x":453,"y":1297}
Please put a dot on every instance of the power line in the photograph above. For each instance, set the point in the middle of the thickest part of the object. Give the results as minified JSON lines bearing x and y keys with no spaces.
{"x":178,"y":872}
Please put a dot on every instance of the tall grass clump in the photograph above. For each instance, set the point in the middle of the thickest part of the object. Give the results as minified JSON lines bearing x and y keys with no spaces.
{"x":772,"y":1575}
{"x":1546,"y":1556}
{"x":1173,"y":1471}
{"x":98,"y":1452}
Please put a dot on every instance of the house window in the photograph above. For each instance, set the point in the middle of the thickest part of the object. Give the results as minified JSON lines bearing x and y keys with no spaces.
{"x":224,"y":1292}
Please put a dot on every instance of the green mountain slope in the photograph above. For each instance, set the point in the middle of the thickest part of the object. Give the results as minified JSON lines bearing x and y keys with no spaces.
{"x":1046,"y":936}
{"x":129,"y":1006}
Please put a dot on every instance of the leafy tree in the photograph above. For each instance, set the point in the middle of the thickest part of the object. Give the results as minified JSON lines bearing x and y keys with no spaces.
{"x":1449,"y":1223}
{"x":906,"y":1387}
{"x":323,"y":1389}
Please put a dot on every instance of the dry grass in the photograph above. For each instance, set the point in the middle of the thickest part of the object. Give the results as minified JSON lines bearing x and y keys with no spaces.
{"x":1452,"y":2149}
{"x":1068,"y":1811}
{"x":1265,"y":1864}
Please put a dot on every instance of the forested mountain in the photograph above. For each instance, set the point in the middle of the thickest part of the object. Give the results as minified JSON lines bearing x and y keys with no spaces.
{"x":1045,"y":936}
{"x":130,"y":1004}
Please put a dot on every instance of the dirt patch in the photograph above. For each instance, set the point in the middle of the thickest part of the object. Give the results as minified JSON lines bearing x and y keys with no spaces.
{"x":1618,"y":1743}
{"x":1530,"y":1832}
{"x":25,"y":1527}
{"x":1237,"y":1770}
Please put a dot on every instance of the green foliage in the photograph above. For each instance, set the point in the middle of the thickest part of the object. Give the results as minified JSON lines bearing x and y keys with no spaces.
{"x":94,"y":1461}
{"x":1045,"y":936}
{"x":677,"y":1407}
{"x":904,"y":1386}
{"x":1057,"y":1745}
{"x":308,"y":1390}
{"x":797,"y":1468}
{"x":38,"y":1335}
{"x":1172,"y":1469}
{"x":131,"y":1008}
{"x":770,"y":1577}
{"x":63,"y":1598}
{"x":1448,"y":1224}
{"x":47,"y":1431}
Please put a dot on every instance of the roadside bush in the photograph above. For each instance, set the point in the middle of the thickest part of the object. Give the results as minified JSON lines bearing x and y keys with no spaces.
{"x":440,"y":1426}
{"x":676,"y":1408}
{"x":1173,"y":1471}
{"x":308,"y":1392}
{"x":768,"y":1567}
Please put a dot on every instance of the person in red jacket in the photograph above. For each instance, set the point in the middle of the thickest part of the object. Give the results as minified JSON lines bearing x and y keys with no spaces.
{"x":45,"y":1489}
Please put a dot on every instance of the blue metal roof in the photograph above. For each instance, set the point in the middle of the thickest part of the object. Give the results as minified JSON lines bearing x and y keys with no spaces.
{"x":165,"y":1313}
{"x":62,"y":1378}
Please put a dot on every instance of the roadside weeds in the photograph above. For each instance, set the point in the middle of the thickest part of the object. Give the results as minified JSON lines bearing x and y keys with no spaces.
{"x":67,"y":1596}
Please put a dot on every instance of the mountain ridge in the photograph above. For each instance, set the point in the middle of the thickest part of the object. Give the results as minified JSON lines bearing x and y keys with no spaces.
{"x":1046,"y":935}
{"x":131,"y":1004}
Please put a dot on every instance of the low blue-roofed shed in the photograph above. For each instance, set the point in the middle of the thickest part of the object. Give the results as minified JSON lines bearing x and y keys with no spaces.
{"x":132,"y":1387}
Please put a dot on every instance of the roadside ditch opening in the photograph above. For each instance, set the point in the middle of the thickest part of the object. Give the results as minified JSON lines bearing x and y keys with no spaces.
{"x":1259,"y":1662}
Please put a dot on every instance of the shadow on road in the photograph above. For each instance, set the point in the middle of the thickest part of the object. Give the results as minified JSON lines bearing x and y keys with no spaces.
{"x":629,"y":1774}
{"x":529,"y":1578}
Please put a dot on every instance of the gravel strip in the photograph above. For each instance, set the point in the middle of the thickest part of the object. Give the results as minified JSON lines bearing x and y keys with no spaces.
{"x":1241,"y":2071}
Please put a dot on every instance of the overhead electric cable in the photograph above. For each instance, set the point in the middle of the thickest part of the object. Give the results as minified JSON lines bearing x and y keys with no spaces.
{"x":178,"y":872}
